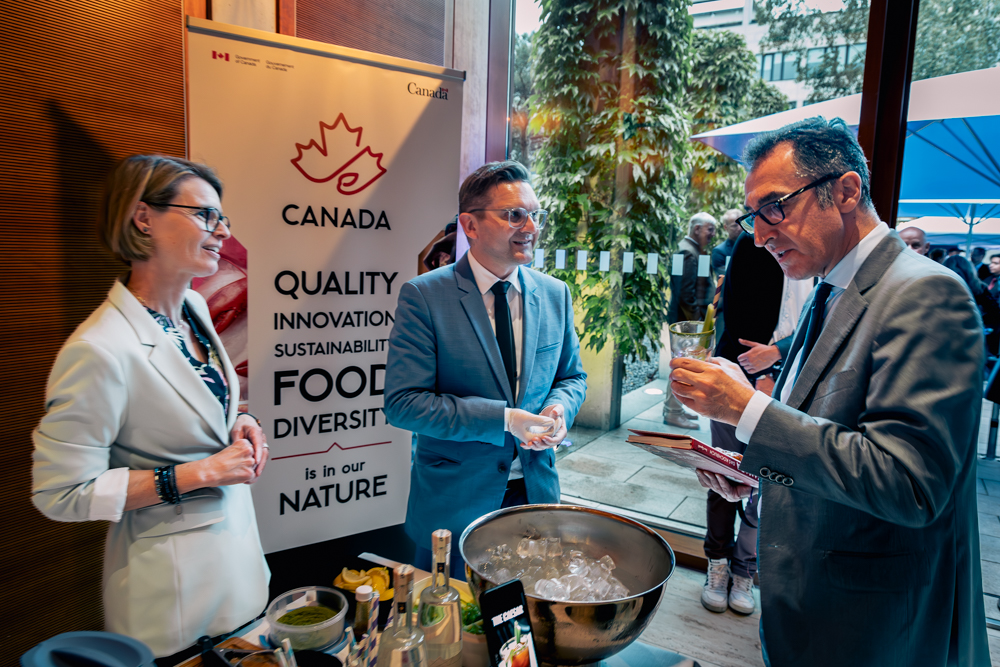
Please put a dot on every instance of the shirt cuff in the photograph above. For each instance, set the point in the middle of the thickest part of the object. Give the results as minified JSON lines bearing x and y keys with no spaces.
{"x":506,"y":420}
{"x":110,"y":492}
{"x":751,"y":415}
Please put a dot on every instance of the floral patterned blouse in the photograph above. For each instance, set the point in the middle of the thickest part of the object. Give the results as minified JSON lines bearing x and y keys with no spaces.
{"x":211,"y":371}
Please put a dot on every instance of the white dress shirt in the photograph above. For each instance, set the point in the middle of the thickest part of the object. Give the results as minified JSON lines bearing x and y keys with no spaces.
{"x":484,"y":281}
{"x":840,"y":277}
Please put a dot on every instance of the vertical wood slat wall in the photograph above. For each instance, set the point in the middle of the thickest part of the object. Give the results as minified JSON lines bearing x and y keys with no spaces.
{"x":82,"y":85}
{"x":411,"y":29}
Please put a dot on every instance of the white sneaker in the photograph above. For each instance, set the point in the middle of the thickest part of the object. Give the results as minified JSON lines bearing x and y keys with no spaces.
{"x":741,"y":596}
{"x":714,"y":596}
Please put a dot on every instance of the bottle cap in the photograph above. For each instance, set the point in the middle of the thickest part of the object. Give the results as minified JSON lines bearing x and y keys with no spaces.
{"x":403,"y":580}
{"x":441,"y":543}
{"x":363,"y":593}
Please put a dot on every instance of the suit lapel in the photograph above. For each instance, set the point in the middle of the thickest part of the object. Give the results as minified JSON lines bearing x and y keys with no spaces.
{"x":475,"y":309}
{"x":842,"y":320}
{"x":170,"y":363}
{"x":530,"y":320}
{"x":198,"y":309}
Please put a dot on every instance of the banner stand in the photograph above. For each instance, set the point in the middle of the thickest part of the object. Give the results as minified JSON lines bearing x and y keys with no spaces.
{"x":338,"y":166}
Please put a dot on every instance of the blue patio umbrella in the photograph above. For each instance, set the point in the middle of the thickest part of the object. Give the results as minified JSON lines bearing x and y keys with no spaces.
{"x":951,"y":160}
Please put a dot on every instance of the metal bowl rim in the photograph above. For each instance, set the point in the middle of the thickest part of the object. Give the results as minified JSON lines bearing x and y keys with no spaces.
{"x":559,"y":506}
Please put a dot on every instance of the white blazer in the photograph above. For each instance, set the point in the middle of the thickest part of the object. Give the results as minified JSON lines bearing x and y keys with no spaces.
{"x":122,"y":396}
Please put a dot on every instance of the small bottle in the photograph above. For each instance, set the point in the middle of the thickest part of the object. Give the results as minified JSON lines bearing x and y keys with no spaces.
{"x":363,"y":595}
{"x":402,"y":645}
{"x":441,"y":609}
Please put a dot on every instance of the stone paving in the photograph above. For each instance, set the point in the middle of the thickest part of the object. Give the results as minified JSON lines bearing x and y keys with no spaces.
{"x":602,"y":468}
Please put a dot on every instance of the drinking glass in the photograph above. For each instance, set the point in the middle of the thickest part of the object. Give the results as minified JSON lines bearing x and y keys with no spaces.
{"x":688,"y":340}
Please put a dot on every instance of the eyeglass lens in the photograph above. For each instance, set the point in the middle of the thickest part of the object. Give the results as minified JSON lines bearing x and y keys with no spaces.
{"x":518,"y":217}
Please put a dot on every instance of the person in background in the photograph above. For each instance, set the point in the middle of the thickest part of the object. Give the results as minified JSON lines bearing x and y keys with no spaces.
{"x":868,"y":538}
{"x":724,"y":250}
{"x":915,"y":238}
{"x":750,"y":304}
{"x":690,"y":295}
{"x":141,"y":427}
{"x":484,"y":366}
{"x":938,"y":254}
{"x":993,"y":280}
{"x":988,"y":308}
{"x":977,"y":257}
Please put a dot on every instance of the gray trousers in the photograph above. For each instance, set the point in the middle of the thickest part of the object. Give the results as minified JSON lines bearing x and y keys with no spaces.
{"x":720,"y":541}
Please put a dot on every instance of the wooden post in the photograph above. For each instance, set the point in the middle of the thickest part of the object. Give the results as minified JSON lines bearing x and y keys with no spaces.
{"x":892,"y":33}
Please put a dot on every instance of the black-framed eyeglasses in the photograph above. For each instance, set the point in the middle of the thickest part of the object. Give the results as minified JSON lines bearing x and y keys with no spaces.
{"x":772,"y":213}
{"x":210,"y":217}
{"x":518,"y":217}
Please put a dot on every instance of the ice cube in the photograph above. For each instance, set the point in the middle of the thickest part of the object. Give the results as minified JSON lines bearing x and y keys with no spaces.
{"x":503,"y":575}
{"x":504,"y":552}
{"x":601,"y":588}
{"x":523,"y":546}
{"x":577,"y":566}
{"x":536,"y":548}
{"x":607,"y":562}
{"x":543,"y":588}
{"x":553,"y":547}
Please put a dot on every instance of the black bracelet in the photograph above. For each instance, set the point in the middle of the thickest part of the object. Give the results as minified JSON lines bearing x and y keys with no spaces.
{"x":175,"y":495}
{"x":161,"y":487}
{"x":166,"y":485}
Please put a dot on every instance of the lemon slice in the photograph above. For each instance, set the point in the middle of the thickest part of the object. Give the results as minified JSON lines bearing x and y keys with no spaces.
{"x":356,"y":577}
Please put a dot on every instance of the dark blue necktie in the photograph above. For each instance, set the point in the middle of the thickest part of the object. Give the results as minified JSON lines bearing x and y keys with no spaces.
{"x":816,"y":314}
{"x":505,"y":331}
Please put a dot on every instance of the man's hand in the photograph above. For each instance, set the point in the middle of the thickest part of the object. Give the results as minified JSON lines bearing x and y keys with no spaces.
{"x":765,"y":384}
{"x":558,"y":414}
{"x":246,"y":428}
{"x":722,"y":485}
{"x":715,"y":388}
{"x":529,"y":428}
{"x":759,"y":357}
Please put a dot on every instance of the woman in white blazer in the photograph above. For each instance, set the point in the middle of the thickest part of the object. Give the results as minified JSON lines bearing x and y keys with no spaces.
{"x":141,"y":426}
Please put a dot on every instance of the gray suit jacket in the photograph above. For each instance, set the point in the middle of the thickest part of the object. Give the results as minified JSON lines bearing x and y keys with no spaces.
{"x":869,"y":542}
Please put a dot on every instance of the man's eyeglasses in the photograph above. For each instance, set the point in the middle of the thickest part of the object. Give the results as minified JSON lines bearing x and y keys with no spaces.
{"x":209,"y":217}
{"x":772,"y":213}
{"x":518,"y":217}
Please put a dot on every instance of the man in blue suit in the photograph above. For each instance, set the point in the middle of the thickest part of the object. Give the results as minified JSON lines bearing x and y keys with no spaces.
{"x":484,"y":365}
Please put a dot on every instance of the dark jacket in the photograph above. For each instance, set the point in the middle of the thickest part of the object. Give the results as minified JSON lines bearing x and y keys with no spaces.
{"x":751,"y":299}
{"x":689,"y":294}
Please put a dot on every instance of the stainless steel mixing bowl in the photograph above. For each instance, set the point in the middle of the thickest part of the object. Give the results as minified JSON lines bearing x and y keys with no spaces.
{"x":577,"y":633}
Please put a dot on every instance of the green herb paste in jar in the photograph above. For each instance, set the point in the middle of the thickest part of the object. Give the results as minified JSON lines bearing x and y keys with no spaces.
{"x":307,"y":615}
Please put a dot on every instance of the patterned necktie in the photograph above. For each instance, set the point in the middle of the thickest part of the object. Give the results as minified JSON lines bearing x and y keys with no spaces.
{"x":816,"y":314}
{"x":505,"y":331}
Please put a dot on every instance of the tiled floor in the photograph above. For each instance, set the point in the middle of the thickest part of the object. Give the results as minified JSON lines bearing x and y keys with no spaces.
{"x":602,"y":468}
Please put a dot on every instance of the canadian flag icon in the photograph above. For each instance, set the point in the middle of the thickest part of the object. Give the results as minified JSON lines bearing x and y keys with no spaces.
{"x":338,"y":154}
{"x":220,"y":56}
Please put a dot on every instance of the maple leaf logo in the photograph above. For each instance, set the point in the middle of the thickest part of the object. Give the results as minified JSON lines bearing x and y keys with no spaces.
{"x":339,"y":155}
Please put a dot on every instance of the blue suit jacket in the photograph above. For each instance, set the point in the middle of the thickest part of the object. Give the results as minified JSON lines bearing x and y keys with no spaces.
{"x":445,"y":381}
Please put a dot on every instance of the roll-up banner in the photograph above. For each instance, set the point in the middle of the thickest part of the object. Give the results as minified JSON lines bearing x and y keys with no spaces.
{"x":340,"y":169}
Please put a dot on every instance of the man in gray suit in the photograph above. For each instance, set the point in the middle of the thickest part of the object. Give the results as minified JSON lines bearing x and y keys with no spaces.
{"x":868,"y":546}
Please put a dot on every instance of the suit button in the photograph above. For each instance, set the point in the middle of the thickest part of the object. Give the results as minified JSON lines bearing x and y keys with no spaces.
{"x":788,"y":481}
{"x":776,"y":477}
{"x":765,"y":473}
{"x":502,"y":467}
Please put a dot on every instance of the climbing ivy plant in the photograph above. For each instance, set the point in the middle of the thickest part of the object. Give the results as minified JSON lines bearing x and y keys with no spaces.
{"x":609,"y":101}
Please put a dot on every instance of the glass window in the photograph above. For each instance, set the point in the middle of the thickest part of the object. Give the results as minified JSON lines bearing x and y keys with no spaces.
{"x":790,"y":67}
{"x":841,"y":57}
{"x":776,"y":68}
{"x":760,"y":61}
{"x":814,"y":61}
{"x":768,"y":64}
{"x":856,"y":54}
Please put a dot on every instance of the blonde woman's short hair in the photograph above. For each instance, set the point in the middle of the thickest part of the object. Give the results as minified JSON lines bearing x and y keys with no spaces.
{"x":153,"y":179}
